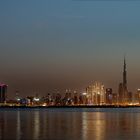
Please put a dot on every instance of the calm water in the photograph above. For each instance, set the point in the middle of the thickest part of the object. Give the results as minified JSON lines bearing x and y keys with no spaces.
{"x":70,"y":124}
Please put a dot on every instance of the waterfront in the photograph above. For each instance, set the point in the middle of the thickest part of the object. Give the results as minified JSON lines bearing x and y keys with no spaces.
{"x":70,"y":123}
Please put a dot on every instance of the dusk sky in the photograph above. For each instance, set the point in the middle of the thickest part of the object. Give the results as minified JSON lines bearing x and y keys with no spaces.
{"x":48,"y":45}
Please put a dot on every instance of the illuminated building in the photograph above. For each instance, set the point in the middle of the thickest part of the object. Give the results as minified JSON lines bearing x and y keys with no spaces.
{"x":114,"y":98}
{"x":75,"y":98}
{"x":23,"y":101}
{"x":3,"y":91}
{"x":123,"y":92}
{"x":109,"y":96}
{"x":120,"y":93}
{"x":130,"y":97}
{"x":137,"y":96}
{"x":96,"y":93}
{"x":67,"y":100}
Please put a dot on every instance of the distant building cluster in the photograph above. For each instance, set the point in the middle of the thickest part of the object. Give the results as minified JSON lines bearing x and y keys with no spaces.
{"x":99,"y":95}
{"x":96,"y":94}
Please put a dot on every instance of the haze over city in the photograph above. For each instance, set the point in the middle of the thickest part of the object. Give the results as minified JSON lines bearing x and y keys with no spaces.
{"x":57,"y":45}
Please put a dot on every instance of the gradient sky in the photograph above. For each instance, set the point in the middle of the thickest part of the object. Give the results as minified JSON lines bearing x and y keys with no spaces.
{"x":48,"y":45}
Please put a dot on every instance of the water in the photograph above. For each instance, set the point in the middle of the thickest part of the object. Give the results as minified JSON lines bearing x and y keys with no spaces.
{"x":70,"y":124}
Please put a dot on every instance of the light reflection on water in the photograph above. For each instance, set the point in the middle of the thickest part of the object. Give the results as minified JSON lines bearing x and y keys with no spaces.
{"x":18,"y":126}
{"x":70,"y":124}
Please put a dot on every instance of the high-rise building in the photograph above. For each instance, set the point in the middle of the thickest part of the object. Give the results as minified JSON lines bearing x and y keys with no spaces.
{"x":114,"y":98}
{"x":120,"y":91}
{"x":137,"y":96}
{"x":96,"y":93}
{"x":123,"y":92}
{"x":109,"y":96}
{"x":3,"y":91}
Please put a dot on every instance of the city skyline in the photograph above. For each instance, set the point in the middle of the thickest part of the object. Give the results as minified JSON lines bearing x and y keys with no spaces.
{"x":69,"y":69}
{"x":122,"y":93}
{"x":63,"y":44}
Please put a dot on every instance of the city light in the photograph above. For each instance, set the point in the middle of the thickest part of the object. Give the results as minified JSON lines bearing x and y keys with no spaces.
{"x":84,"y":93}
{"x":96,"y":94}
{"x":36,"y":99}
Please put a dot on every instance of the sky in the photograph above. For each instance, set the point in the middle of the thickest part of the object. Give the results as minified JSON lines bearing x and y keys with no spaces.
{"x":53,"y":45}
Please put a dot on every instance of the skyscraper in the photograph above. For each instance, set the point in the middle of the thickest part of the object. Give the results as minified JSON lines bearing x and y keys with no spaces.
{"x":123,"y":92}
{"x":96,"y":93}
{"x":125,"y":76}
{"x":3,"y":91}
{"x":109,"y":95}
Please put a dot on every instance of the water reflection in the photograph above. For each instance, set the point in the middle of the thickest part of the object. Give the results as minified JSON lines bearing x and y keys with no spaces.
{"x":63,"y":125}
{"x":70,"y":125}
{"x":18,"y":133}
{"x":36,"y":125}
{"x":3,"y":123}
{"x":101,"y":125}
{"x":93,"y":125}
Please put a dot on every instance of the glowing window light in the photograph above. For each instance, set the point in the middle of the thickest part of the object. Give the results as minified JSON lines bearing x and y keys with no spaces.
{"x":84,"y":93}
{"x":18,"y":99}
{"x":36,"y":99}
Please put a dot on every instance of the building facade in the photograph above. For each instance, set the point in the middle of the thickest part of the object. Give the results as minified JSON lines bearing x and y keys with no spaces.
{"x":109,"y":96}
{"x":96,"y":93}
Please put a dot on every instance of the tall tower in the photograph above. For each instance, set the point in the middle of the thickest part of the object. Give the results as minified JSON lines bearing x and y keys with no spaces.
{"x":124,"y":75}
{"x":125,"y":92}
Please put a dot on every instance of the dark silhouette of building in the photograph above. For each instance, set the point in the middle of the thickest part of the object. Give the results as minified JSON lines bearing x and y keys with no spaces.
{"x":123,"y":92}
{"x":3,"y":91}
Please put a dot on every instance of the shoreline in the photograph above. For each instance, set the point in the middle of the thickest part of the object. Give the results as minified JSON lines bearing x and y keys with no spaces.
{"x":80,"y":106}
